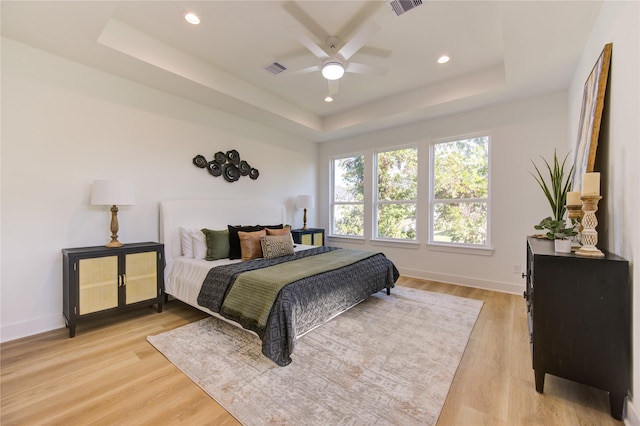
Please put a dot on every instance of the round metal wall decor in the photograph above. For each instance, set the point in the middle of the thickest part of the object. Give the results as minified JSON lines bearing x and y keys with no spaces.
{"x":227,"y":165}
{"x":244,"y":168}
{"x":200,"y":161}
{"x":233,"y":157}
{"x":220,"y":157}
{"x":214,"y":168}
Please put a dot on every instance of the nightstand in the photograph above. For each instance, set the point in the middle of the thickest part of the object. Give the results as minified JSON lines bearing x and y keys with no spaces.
{"x":309,"y":236}
{"x":103,"y":281}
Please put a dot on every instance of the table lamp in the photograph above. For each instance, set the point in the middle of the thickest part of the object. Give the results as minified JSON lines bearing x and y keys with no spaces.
{"x":304,"y":202}
{"x":112,"y":193}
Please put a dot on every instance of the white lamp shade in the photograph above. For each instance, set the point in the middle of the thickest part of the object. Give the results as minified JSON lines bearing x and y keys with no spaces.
{"x":305,"y":202}
{"x":112,"y":193}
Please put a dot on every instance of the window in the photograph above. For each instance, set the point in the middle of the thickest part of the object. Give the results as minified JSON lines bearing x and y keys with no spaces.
{"x":460,"y":191}
{"x":397,"y":193}
{"x":348,"y":196}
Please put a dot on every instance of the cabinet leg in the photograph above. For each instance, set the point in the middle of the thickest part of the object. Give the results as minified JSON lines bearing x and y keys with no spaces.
{"x":617,"y":404}
{"x":539,"y":380}
{"x":72,"y":331}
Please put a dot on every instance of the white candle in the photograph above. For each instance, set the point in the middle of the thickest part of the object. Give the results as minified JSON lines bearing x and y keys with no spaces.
{"x":591,"y":183}
{"x":573,"y":198}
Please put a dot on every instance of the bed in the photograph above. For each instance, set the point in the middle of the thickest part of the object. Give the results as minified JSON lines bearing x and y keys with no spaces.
{"x":279,"y":299}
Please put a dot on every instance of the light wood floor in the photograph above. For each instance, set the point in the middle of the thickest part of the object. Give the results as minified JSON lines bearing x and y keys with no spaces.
{"x":110,"y":374}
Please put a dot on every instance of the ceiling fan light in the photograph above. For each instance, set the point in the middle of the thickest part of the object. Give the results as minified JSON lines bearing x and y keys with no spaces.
{"x":332,"y":70}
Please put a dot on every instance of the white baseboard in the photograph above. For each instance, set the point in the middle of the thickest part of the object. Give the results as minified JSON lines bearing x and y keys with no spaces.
{"x":464,"y":281}
{"x":28,"y":328}
{"x":633,"y":414}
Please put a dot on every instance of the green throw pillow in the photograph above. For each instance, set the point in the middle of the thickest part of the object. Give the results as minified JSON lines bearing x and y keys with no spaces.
{"x":217,"y":243}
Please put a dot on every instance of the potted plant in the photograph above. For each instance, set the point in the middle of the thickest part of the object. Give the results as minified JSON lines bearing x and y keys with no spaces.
{"x":558,"y":186}
{"x":558,"y":231}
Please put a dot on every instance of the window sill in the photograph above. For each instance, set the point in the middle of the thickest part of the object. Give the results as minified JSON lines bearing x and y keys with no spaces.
{"x":395,"y":243}
{"x":450,"y":248}
{"x":346,"y":239}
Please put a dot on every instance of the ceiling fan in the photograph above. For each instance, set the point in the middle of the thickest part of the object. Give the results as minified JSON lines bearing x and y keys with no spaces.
{"x":336,"y":62}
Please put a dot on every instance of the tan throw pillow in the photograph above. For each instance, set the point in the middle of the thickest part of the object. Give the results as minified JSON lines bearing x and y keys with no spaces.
{"x":250,"y":247}
{"x":276,"y":246}
{"x":284,"y":231}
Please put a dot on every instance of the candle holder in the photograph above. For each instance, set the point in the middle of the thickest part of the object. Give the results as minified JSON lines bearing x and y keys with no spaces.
{"x":589,"y":235}
{"x":574,"y":213}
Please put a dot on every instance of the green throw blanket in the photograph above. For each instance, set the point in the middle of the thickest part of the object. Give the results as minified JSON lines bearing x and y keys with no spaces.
{"x":253,"y":292}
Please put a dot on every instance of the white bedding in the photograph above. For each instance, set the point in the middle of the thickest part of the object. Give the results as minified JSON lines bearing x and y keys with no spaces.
{"x":184,"y":276}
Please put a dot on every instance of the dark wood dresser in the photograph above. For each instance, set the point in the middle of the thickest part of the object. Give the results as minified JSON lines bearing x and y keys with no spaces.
{"x":579,"y":312}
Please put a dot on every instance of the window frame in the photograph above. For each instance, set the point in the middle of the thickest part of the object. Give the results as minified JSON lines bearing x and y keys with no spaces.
{"x":333,"y":203}
{"x":376,"y":202}
{"x":484,"y":249}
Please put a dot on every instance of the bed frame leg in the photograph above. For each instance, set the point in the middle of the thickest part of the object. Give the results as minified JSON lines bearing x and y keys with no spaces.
{"x":388,"y":291}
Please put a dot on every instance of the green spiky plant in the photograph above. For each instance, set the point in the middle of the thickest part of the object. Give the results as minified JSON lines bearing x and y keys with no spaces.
{"x":557,"y":187}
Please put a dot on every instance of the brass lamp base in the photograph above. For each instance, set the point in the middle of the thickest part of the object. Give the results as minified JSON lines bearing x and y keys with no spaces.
{"x":304,"y":220}
{"x":114,"y":243}
{"x":114,"y":229}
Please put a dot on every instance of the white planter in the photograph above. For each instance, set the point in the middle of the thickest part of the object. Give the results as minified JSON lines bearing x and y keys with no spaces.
{"x":562,"y":246}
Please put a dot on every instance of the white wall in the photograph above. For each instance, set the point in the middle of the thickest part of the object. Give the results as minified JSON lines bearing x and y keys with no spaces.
{"x":618,"y":23}
{"x":64,"y":125}
{"x":520,"y":131}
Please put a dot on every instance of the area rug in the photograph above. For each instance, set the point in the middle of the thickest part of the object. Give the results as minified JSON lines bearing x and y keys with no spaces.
{"x":388,"y":360}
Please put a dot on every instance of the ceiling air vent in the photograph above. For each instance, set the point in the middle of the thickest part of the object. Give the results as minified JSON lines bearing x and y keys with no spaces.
{"x":403,"y":6}
{"x":274,"y":68}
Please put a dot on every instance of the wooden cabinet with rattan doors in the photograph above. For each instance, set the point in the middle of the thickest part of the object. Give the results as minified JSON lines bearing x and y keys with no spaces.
{"x":309,"y":237}
{"x":104,"y":281}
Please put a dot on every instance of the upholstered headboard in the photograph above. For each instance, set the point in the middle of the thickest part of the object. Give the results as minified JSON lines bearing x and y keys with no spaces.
{"x":213,"y":214}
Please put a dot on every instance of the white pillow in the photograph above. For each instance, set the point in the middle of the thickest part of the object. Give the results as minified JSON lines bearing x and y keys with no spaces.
{"x":199,"y":244}
{"x":187,"y":242}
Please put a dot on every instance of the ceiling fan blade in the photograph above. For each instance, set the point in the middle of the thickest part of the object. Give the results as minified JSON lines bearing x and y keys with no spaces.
{"x":367,"y":31}
{"x":305,"y":20}
{"x":305,"y":70}
{"x":357,"y":68}
{"x":308,"y":43}
{"x":333,"y":87}
{"x":374,"y":51}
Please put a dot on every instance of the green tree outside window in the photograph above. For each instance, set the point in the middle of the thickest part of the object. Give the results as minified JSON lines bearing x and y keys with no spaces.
{"x":397,"y":191}
{"x":348,"y":196}
{"x":460,"y":191}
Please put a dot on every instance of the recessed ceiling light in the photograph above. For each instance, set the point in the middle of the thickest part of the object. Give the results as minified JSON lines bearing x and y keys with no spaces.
{"x":443,"y":59}
{"x":191,"y":18}
{"x":328,"y":99}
